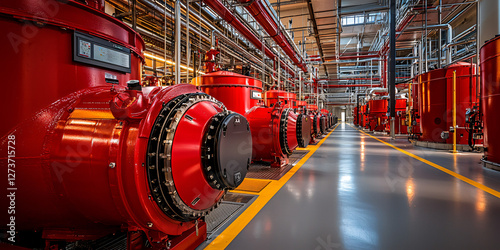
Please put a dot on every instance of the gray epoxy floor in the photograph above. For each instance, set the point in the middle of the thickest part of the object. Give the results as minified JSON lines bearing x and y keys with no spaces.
{"x":357,"y":193}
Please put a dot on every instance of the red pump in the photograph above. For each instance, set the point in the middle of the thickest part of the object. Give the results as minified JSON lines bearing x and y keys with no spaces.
{"x":273,"y":128}
{"x":316,"y":124}
{"x":95,"y":156}
{"x":289,"y":100}
{"x":377,"y":115}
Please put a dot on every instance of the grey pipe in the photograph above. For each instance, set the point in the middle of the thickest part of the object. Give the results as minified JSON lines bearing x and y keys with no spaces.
{"x":177,"y":42}
{"x":438,"y":26}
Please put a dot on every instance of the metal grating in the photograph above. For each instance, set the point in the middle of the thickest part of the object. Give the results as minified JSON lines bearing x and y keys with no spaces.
{"x":263,"y":171}
{"x":232,"y":205}
{"x":221,"y":215}
{"x":297,"y":156}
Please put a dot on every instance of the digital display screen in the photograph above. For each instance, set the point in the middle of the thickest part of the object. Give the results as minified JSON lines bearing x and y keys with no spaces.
{"x":102,"y":53}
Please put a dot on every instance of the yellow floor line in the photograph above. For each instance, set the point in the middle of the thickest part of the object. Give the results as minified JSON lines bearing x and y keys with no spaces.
{"x":228,"y":235}
{"x":443,"y":169}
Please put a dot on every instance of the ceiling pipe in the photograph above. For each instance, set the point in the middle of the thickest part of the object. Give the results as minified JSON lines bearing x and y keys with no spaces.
{"x":228,"y":16}
{"x":449,"y":38}
{"x":264,"y":18}
{"x":350,"y":85}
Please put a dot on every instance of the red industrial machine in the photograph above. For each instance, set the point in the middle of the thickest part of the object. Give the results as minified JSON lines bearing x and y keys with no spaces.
{"x":316,"y":123}
{"x":324,"y":120}
{"x":355,"y":115}
{"x":274,"y":129}
{"x":413,"y":114}
{"x":490,"y":101}
{"x":377,"y":114}
{"x":289,"y":100}
{"x":212,"y":60}
{"x":362,"y":116}
{"x":400,"y":126}
{"x":436,"y":109}
{"x":93,"y":153}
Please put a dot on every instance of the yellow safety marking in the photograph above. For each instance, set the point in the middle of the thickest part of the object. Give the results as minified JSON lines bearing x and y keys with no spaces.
{"x":443,"y":169}
{"x":91,"y":114}
{"x":250,"y":185}
{"x":228,"y":235}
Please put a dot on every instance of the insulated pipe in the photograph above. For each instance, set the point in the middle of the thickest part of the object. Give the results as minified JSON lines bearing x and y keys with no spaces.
{"x":225,"y":14}
{"x":262,"y":16}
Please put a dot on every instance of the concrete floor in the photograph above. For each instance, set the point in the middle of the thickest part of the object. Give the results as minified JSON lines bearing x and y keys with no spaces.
{"x":358,"y":193}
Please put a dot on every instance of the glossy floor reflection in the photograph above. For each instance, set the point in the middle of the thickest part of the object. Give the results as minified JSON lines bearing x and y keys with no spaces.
{"x":357,"y":193}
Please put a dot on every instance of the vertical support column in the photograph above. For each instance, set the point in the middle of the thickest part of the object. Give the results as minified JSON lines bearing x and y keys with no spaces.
{"x":300,"y":85}
{"x":134,"y":14}
{"x":177,"y":42}
{"x":454,"y":111}
{"x":439,"y":37}
{"x":392,"y":66}
{"x":188,"y":47}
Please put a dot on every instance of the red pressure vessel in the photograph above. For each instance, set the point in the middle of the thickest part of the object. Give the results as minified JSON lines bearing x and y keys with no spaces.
{"x":377,"y":114}
{"x":432,"y":105}
{"x":490,"y":80}
{"x":93,"y":158}
{"x":466,"y":98}
{"x":274,"y":129}
{"x":436,"y":110}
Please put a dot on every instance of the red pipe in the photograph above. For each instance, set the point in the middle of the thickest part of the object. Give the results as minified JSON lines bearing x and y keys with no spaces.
{"x":224,"y":13}
{"x":350,"y":85}
{"x":359,"y":78}
{"x":262,"y":16}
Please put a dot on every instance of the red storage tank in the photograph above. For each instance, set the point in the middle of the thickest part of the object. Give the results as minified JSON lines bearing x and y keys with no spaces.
{"x":377,"y":115}
{"x":490,"y":80}
{"x":466,"y":98}
{"x":436,"y":108}
{"x":274,"y":129}
{"x":94,"y":155}
{"x":432,"y":105}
